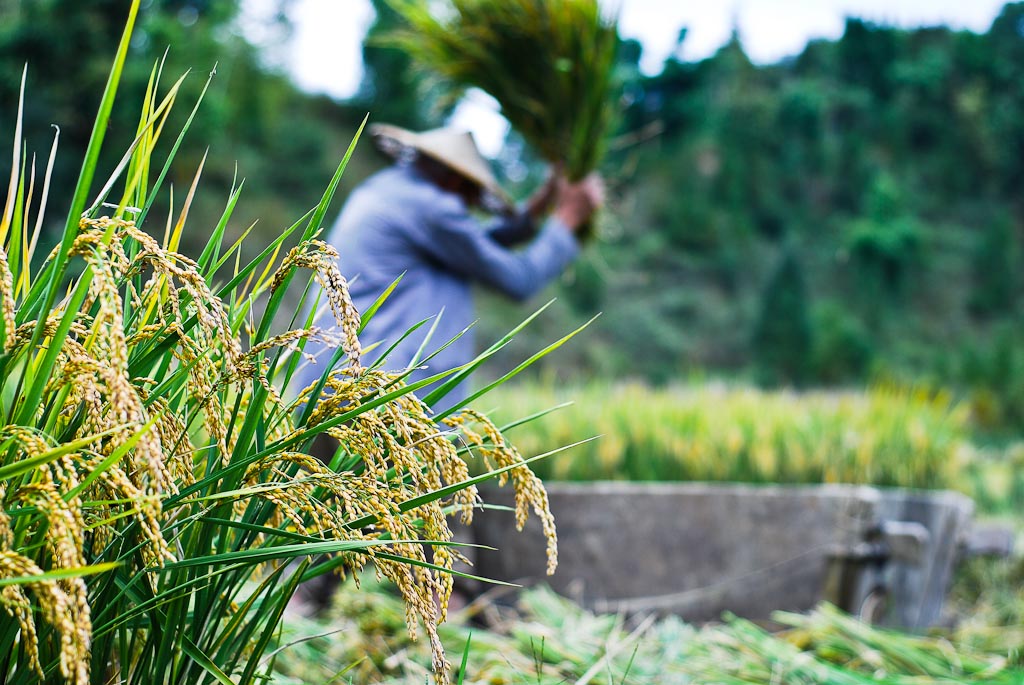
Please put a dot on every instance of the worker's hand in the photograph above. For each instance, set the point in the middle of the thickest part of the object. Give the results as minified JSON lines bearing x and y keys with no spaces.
{"x":543,"y":199}
{"x":577,"y":202}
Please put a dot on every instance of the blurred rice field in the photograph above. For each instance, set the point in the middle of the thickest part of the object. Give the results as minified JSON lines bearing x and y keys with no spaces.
{"x":886,"y":436}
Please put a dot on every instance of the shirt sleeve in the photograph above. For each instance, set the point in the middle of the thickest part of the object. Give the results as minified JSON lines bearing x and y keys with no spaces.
{"x":512,"y":230}
{"x":457,"y":241}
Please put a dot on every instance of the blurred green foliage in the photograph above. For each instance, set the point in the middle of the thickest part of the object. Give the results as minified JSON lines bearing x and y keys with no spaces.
{"x":250,"y":118}
{"x":882,"y":169}
{"x":886,"y":165}
{"x":782,"y":334}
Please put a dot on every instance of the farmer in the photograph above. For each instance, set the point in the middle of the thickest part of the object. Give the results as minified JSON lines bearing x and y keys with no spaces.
{"x":413,"y":220}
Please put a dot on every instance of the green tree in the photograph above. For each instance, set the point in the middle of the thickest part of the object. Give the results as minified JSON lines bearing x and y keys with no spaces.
{"x":843,"y":349}
{"x":883,"y":244}
{"x":392,"y":90}
{"x":248,"y":117}
{"x":996,"y":277}
{"x":783,"y":341}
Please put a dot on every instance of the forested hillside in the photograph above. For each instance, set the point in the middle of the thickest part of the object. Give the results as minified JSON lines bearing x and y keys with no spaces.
{"x":850,"y":212}
{"x":259,"y":127}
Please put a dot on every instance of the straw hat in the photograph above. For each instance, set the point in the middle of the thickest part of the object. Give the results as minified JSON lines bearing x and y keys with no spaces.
{"x":452,"y":147}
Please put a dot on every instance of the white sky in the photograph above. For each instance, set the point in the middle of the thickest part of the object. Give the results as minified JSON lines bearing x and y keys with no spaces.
{"x":325,"y":54}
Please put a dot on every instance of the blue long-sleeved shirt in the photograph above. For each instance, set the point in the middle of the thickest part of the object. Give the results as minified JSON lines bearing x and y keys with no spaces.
{"x":398,"y":222}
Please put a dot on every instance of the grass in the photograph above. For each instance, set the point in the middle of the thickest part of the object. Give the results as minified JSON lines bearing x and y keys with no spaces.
{"x":994,"y":478}
{"x":157,"y":472}
{"x":989,"y":594}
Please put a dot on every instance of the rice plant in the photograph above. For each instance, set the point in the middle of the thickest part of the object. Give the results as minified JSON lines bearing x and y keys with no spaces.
{"x":885,"y":436}
{"x":548,"y":63}
{"x":156,"y":471}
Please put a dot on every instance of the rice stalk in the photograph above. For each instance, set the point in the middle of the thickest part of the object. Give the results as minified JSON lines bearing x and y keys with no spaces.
{"x":549,"y":64}
{"x":888,"y":436}
{"x":156,"y":472}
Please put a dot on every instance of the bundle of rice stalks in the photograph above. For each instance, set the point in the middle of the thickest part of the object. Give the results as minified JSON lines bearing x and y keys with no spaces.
{"x":548,"y":63}
{"x":843,"y":640}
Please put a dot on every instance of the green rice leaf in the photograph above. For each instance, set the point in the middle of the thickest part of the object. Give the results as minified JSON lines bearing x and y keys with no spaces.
{"x":60,"y":574}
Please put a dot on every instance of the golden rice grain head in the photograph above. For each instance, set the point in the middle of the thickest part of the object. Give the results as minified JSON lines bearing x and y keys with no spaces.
{"x":56,"y":609}
{"x":7,"y":299}
{"x":322,"y":260}
{"x":529,"y":490}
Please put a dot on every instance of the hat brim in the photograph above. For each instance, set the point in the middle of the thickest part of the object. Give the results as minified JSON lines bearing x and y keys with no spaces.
{"x":395,"y":141}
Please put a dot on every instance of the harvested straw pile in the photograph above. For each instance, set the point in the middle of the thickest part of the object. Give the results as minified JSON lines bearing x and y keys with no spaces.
{"x":550,"y":640}
{"x":548,"y":63}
